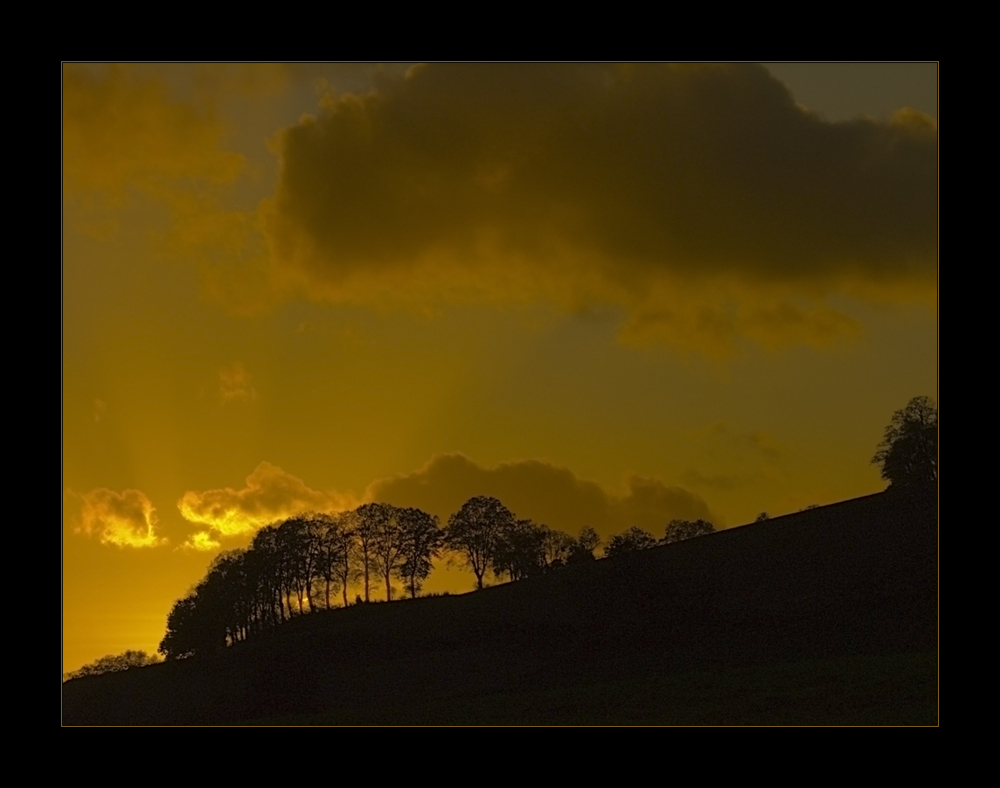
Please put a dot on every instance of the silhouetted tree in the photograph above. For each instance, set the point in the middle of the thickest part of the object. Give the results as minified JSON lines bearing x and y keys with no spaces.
{"x":528,"y":548}
{"x":423,"y":540}
{"x":187,"y":633}
{"x":761,"y":517}
{"x":557,"y":546}
{"x":300,"y":544}
{"x":344,"y":532}
{"x":475,"y":530}
{"x":679,"y":530}
{"x":370,"y":519}
{"x":520,"y":550}
{"x":632,"y":540}
{"x":333,"y":553}
{"x":265,"y":568}
{"x":583,"y":547}
{"x":387,"y":543}
{"x":908,"y":452}
{"x":225,"y":596}
{"x":286,"y":569}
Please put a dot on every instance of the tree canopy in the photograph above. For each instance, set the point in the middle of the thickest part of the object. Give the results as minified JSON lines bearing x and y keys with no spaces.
{"x":423,"y":540}
{"x":475,"y":532}
{"x":908,"y":452}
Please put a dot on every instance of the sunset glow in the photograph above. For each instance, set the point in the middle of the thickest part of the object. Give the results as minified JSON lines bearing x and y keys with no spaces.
{"x":608,"y":295}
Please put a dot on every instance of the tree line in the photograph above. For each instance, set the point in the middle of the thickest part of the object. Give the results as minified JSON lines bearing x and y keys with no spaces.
{"x":300,"y":565}
{"x":114,"y":663}
{"x":637,"y":539}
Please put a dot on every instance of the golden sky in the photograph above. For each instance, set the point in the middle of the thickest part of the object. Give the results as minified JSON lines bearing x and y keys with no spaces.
{"x":609,"y":295}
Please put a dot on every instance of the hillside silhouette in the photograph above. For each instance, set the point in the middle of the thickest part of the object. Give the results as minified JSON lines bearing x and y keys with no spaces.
{"x":834,"y":597}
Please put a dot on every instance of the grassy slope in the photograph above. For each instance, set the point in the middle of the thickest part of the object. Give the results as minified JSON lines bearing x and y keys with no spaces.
{"x":888,"y":689}
{"x":826,"y":616}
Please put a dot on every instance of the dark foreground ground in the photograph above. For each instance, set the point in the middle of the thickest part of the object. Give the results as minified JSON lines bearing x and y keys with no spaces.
{"x":827,"y":616}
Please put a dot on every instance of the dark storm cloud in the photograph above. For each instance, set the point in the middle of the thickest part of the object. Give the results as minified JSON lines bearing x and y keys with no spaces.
{"x":602,"y":179}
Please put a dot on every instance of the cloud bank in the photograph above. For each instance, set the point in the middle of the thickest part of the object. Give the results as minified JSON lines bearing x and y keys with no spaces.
{"x":544,"y":492}
{"x":122,"y":131}
{"x":700,"y":198}
{"x":530,"y":488}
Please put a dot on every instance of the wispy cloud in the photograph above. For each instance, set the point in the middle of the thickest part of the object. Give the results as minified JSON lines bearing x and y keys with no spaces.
{"x":201,"y":541}
{"x":126,"y":519}
{"x":123,"y":132}
{"x":234,"y":383}
{"x":726,"y":440}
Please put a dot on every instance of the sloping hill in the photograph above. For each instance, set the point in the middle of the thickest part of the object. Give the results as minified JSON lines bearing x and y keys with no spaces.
{"x":825,"y":587}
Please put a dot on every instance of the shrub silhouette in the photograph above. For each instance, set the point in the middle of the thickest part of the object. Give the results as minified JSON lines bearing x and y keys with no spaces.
{"x":679,"y":530}
{"x":629,"y":542}
{"x":114,"y":663}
